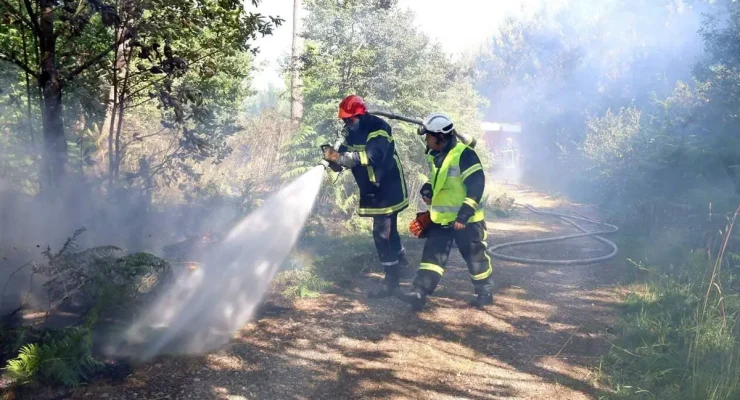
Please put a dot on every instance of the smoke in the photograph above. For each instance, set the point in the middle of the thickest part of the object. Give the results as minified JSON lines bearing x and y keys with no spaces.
{"x":205,"y":307}
{"x":553,"y":69}
{"x":31,"y":224}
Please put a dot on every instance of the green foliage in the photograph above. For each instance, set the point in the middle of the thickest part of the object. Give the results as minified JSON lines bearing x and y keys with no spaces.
{"x":99,"y":274}
{"x":64,"y":359}
{"x":608,"y":137}
{"x":190,"y":59}
{"x":194,"y":67}
{"x":566,"y":66}
{"x":628,"y":127}
{"x":327,"y":257}
{"x":303,"y":283}
{"x":331,"y":252}
{"x":674,"y":155}
{"x":668,"y":346}
{"x":101,"y":279}
{"x":610,"y":119}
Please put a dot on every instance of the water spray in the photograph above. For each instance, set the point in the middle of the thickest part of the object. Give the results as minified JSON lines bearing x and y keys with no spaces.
{"x":203,"y":308}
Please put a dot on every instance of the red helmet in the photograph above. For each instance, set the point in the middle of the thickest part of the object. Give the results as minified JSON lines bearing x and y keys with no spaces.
{"x":351,"y":106}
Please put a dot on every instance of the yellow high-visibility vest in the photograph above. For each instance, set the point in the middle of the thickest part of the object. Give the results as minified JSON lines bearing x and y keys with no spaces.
{"x":449,"y":190}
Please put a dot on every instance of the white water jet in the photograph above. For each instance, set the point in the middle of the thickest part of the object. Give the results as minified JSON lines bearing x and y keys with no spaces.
{"x":203,"y":308}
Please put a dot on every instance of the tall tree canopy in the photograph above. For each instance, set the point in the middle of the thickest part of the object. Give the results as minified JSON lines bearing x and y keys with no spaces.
{"x":58,"y":45}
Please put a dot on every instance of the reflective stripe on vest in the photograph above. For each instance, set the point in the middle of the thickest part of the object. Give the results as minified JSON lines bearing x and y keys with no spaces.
{"x":449,"y":190}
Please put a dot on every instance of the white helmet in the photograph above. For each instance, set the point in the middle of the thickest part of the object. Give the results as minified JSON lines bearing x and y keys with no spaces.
{"x":436,"y":123}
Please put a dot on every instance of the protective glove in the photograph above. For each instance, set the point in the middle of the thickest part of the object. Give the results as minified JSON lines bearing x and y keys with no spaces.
{"x":420,"y":224}
{"x":330,"y":157}
{"x":330,"y":154}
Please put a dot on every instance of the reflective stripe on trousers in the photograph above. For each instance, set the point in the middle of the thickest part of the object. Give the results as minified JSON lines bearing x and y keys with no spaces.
{"x":471,"y":243}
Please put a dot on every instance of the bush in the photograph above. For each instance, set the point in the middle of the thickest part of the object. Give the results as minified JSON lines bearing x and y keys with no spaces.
{"x":99,"y":274}
{"x":95,"y":278}
{"x":63,"y":358}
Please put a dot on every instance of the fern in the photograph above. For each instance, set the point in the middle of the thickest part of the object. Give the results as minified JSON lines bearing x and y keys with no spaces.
{"x":99,"y":273}
{"x":24,"y":367}
{"x":67,"y":360}
{"x":305,"y":283}
{"x":69,"y":246}
{"x":137,"y":264}
{"x":91,"y":255}
{"x":296,"y":172}
{"x":105,"y":277}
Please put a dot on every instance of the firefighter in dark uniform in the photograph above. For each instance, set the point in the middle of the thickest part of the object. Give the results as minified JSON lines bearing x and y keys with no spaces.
{"x":370,"y":152}
{"x":454,"y":193}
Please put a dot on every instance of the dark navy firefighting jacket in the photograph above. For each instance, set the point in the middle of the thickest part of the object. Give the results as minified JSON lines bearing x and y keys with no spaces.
{"x":379,"y":175}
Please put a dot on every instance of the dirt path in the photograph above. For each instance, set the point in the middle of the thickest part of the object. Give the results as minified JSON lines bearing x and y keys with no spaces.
{"x":540,"y":340}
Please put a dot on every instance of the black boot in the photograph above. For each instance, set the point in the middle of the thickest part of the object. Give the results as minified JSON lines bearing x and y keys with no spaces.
{"x":386,"y":289}
{"x":482,"y":300}
{"x":416,"y":297}
{"x":404,"y":267}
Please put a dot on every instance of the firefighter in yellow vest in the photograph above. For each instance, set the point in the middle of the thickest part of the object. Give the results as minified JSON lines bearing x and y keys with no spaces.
{"x":453,"y":194}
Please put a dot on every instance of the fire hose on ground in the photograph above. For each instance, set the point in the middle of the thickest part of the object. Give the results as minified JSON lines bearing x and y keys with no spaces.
{"x":570,"y":220}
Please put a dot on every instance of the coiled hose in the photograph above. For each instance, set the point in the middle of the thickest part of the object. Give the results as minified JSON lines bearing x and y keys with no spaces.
{"x":569,"y":219}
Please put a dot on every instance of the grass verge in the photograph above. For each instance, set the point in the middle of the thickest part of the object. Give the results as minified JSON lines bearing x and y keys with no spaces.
{"x":678,"y":337}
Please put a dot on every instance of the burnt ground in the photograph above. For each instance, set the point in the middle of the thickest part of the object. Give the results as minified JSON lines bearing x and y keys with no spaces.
{"x":541,"y":339}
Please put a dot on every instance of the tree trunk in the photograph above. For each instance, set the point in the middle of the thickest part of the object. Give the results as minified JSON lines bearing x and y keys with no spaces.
{"x":114,"y":115}
{"x":29,"y":118}
{"x":54,"y":160}
{"x":296,"y":102}
{"x":121,"y":106}
{"x":118,"y":63}
{"x":111,"y":130}
{"x":102,"y":162}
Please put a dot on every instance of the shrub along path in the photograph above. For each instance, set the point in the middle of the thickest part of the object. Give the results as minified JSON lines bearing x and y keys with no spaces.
{"x":540,"y":340}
